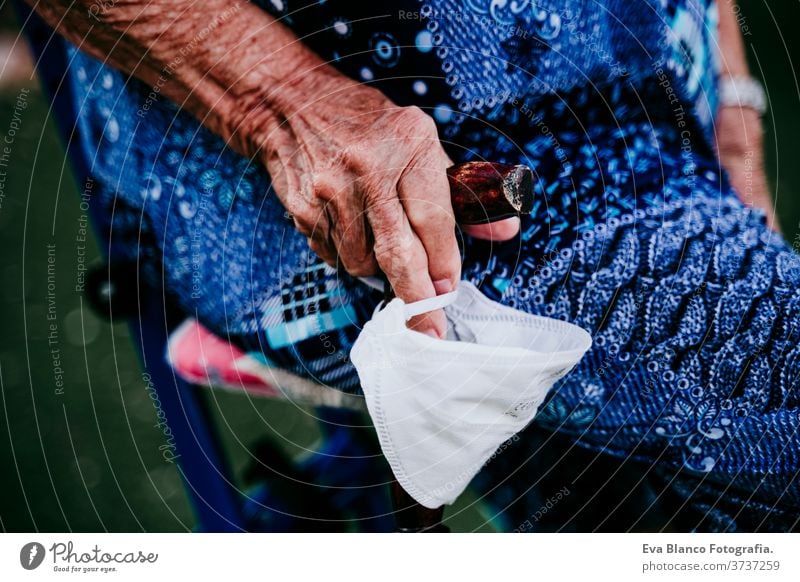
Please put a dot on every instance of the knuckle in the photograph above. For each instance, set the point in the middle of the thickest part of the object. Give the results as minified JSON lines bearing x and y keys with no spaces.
{"x":321,"y":250}
{"x":389,"y":245}
{"x":389,"y":242}
{"x":300,"y":208}
{"x":415,"y":120}
{"x":395,"y":254}
{"x":303,"y":226}
{"x":360,"y":253}
{"x":433,"y":214}
{"x":374,"y":189}
{"x":385,"y":214}
{"x":315,"y":246}
{"x":353,"y":153}
{"x":310,"y":224}
{"x":362,"y":268}
{"x":356,"y":255}
{"x":325,"y":185}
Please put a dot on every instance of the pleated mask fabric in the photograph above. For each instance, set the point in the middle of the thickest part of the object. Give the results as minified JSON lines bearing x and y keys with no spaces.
{"x":442,"y":407}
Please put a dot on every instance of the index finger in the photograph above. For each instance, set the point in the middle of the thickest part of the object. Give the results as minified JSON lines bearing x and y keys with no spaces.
{"x":424,"y":192}
{"x":402,"y":258}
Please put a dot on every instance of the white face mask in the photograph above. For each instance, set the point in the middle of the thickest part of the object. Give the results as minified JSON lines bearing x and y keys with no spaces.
{"x":442,"y":407}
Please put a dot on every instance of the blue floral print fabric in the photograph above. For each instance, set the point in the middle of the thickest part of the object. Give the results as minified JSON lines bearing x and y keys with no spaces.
{"x":636,"y":234}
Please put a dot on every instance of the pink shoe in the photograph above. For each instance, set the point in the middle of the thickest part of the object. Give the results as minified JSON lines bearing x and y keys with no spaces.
{"x":200,"y":357}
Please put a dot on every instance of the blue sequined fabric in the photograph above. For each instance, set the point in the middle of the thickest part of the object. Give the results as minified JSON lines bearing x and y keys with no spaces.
{"x":636,"y":235}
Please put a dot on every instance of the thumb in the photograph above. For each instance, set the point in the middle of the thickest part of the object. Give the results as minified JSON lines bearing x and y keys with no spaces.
{"x":501,"y":230}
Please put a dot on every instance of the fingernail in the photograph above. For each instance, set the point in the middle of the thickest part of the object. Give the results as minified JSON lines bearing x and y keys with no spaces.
{"x":442,"y":286}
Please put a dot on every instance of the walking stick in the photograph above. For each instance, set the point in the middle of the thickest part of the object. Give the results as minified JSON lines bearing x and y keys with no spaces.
{"x":481,"y":192}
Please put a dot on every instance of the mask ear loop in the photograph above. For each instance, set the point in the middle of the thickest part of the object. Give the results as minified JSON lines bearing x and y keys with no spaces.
{"x":429,"y":304}
{"x":410,"y":309}
{"x":423,"y":306}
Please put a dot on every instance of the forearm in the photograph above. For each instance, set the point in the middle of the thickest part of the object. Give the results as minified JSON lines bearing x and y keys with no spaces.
{"x":733,"y":59}
{"x":229,"y":63}
{"x":733,"y":64}
{"x":739,"y":129}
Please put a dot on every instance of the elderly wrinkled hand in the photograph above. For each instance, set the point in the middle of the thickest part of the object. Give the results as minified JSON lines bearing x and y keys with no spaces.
{"x":364,"y":180}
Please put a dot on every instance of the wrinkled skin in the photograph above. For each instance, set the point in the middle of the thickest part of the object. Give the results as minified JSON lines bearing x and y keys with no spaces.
{"x":363,"y":179}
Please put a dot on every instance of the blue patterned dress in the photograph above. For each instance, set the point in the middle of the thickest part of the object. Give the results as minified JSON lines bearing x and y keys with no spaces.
{"x":636,"y":234}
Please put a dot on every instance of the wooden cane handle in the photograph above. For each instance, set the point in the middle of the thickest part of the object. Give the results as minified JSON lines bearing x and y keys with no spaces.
{"x":483,"y":192}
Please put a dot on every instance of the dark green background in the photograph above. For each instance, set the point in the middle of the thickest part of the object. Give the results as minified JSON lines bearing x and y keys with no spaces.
{"x":88,"y":459}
